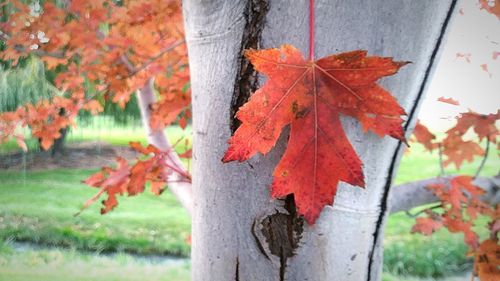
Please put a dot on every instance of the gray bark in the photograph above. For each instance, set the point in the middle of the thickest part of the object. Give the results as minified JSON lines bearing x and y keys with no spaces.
{"x":233,"y":215}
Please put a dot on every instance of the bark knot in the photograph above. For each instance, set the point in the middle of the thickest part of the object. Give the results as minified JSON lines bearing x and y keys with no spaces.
{"x":278,"y":235}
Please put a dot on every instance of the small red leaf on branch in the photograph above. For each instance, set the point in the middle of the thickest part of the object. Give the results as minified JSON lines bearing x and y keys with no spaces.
{"x":461,"y":203}
{"x":487,"y":261}
{"x":485,"y":68}
{"x":426,"y":226}
{"x":465,"y":56}
{"x":448,"y":100}
{"x":310,"y":96}
{"x":131,"y":180}
{"x":424,"y":136}
{"x":491,"y":6}
{"x":483,"y":125}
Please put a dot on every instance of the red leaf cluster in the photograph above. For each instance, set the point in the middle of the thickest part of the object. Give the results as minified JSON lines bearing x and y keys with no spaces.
{"x":132,"y":179}
{"x":45,"y":119}
{"x":461,"y":203}
{"x":491,"y":6}
{"x":455,"y":147}
{"x":424,"y":136}
{"x":487,"y":260}
{"x":483,"y":125}
{"x":426,"y":226}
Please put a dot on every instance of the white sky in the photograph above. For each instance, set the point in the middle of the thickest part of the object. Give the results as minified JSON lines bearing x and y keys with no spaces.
{"x":478,"y":33}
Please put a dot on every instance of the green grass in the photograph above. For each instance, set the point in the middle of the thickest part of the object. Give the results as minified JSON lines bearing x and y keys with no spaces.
{"x":64,"y":265}
{"x":390,"y":277}
{"x":39,"y":208}
{"x":421,"y":164}
{"x":438,"y":255}
{"x":443,"y":253}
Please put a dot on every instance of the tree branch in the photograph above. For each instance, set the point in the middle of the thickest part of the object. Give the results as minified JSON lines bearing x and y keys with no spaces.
{"x":441,"y":164}
{"x":179,"y":187}
{"x":413,"y":194}
{"x":438,"y":205}
{"x":487,"y":150}
{"x":176,"y":181}
{"x":135,"y":70}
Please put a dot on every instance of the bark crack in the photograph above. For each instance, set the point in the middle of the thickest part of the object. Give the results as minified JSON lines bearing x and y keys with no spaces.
{"x":246,"y":77}
{"x":237,"y":273}
{"x":278,"y":235}
{"x":385,"y":196}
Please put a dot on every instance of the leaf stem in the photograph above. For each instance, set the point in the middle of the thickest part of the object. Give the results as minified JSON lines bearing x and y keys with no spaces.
{"x":441,"y":164}
{"x":485,"y":156}
{"x":311,"y":30}
{"x":438,"y":205}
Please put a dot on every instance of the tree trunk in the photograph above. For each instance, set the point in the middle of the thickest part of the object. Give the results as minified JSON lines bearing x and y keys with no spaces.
{"x":60,"y":143}
{"x":238,"y":232}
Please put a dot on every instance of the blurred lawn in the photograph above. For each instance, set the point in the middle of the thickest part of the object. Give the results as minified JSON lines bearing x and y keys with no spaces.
{"x":38,"y":206}
{"x":421,"y":164}
{"x":65,"y":265}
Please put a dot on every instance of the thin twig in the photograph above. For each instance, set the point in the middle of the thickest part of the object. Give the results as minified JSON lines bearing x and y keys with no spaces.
{"x":157,"y":56}
{"x":441,"y":164}
{"x":485,"y":156}
{"x":439,"y":205}
{"x":41,"y":53}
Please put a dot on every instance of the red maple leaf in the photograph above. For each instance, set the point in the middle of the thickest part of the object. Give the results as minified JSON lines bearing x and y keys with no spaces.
{"x":457,"y":150}
{"x":310,"y":96}
{"x":152,"y":167}
{"x":426,"y":226}
{"x":448,"y":100}
{"x":111,"y":181}
{"x":461,"y":203}
{"x":487,"y":261}
{"x":424,"y":136}
{"x":456,"y":225}
{"x":483,"y":125}
{"x":492,"y":6}
{"x":485,"y":68}
{"x":465,"y":56}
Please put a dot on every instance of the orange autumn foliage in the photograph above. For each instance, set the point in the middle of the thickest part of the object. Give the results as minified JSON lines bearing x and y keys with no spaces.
{"x":102,"y":43}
